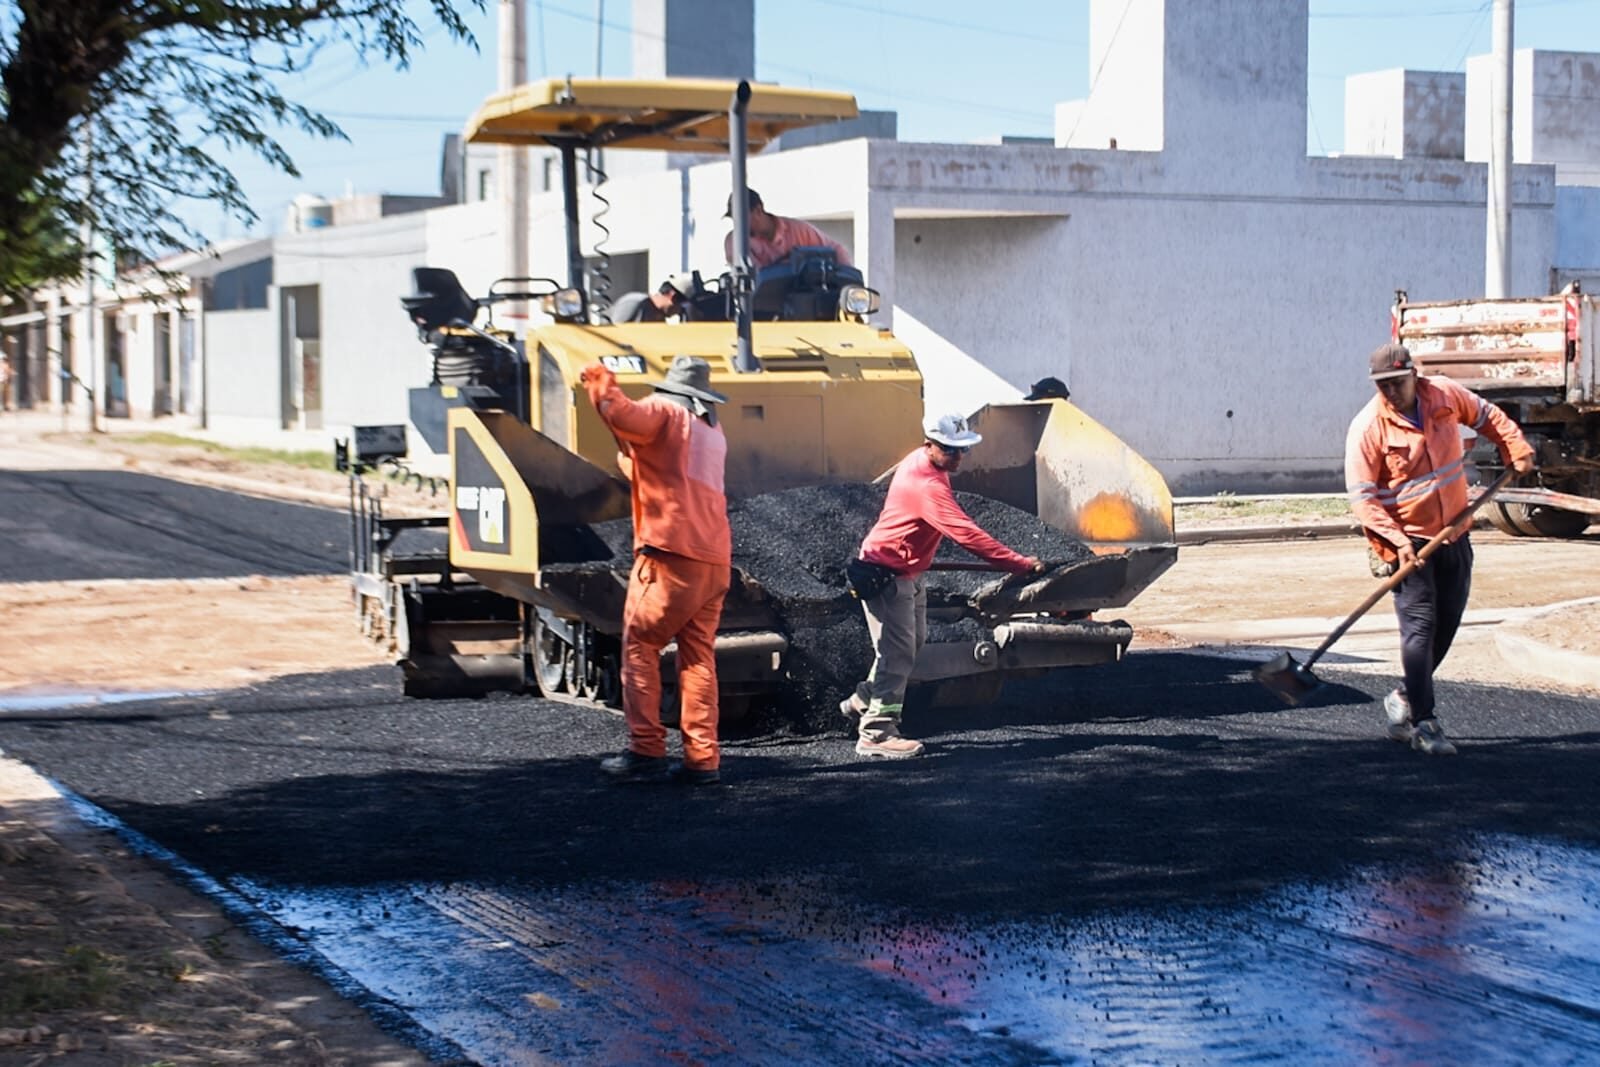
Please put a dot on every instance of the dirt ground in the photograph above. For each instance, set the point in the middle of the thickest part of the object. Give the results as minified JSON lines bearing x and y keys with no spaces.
{"x":90,"y":975}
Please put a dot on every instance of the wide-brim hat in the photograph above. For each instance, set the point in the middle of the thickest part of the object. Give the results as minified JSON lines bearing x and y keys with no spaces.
{"x":950,"y":430}
{"x":690,"y":376}
{"x":1390,"y":361}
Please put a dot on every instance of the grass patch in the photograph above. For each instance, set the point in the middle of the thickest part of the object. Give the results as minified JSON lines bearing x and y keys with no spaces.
{"x":313,"y":459}
{"x":1224,"y":507}
{"x":82,"y":978}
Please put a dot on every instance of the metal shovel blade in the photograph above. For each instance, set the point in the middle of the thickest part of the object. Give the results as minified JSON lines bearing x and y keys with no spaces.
{"x":1288,"y":679}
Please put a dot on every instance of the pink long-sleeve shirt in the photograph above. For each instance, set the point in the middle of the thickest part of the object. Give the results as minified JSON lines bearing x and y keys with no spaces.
{"x":919,"y":512}
{"x":789,"y":235}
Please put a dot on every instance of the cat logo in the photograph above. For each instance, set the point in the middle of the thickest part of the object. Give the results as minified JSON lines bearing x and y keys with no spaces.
{"x":623,"y":364}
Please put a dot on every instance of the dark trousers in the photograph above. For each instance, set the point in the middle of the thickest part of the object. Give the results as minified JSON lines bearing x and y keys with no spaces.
{"x":1429,"y":604}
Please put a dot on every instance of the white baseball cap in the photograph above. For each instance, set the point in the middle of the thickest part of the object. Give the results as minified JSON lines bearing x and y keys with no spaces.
{"x":951,"y":430}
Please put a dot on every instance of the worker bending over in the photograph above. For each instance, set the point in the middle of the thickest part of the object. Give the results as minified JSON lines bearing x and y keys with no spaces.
{"x":890,"y":578}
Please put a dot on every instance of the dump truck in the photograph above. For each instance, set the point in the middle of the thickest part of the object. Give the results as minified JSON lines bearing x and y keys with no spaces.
{"x":525,"y":593}
{"x":1538,"y":358}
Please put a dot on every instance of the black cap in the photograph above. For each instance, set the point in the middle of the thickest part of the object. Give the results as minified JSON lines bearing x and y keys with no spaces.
{"x":1046,"y":388}
{"x":1390,"y":361}
{"x":754,"y":200}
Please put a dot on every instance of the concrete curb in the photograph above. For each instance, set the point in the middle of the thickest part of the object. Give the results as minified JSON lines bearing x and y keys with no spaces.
{"x":1557,"y":664}
{"x":1538,"y":657}
{"x":1215,"y":534}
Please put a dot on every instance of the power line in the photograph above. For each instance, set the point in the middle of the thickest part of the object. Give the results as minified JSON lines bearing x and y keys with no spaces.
{"x":934,"y":20}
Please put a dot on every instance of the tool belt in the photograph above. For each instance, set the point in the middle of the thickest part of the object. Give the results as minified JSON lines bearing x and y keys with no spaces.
{"x":866,"y":580}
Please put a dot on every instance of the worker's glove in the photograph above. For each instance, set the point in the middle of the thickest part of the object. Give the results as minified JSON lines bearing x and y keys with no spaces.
{"x":597,"y":377}
{"x":1381,"y":568}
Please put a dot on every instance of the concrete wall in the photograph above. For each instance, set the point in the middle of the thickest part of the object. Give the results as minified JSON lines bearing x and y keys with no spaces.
{"x":1420,"y":114}
{"x":1223,"y":336}
{"x":242,"y":369}
{"x":694,"y":38}
{"x":1578,"y":228}
{"x":1554,"y":114}
{"x":370,"y":351}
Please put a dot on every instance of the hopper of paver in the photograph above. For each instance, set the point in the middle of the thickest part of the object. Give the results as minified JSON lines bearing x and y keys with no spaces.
{"x":1050,"y":459}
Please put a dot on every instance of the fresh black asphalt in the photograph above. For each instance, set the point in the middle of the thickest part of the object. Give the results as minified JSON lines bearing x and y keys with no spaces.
{"x":89,"y":524}
{"x":1167,"y":784}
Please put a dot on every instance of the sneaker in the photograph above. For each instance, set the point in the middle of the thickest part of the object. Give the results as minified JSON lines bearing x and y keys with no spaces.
{"x":1398,"y":710}
{"x":880,"y":739}
{"x":629,"y":766}
{"x":682,"y":774}
{"x":1429,"y":739}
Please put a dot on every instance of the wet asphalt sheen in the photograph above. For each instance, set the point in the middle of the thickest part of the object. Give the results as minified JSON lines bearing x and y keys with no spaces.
{"x":1145,"y":862}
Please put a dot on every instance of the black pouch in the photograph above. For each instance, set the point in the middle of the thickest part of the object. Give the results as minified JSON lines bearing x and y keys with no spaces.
{"x":867,"y":580}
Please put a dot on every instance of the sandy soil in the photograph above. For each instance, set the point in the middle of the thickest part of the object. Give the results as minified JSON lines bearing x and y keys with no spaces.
{"x":170,"y":997}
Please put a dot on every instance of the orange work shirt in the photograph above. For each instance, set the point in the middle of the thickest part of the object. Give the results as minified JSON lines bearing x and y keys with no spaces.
{"x":1408,"y":480}
{"x":679,"y":504}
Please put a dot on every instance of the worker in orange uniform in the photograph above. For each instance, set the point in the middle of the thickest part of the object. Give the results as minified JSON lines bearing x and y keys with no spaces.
{"x":674,"y":454}
{"x":1406,"y":475}
{"x":890,"y":577}
{"x":773,"y":237}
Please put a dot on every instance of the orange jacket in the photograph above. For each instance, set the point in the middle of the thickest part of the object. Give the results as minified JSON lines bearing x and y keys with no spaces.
{"x":1408,"y":481}
{"x":677,"y":466}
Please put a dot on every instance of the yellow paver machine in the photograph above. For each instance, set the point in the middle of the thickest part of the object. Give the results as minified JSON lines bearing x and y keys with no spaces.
{"x":521,"y":597}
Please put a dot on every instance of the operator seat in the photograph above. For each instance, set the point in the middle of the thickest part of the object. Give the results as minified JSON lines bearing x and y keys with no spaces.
{"x":439,"y":299}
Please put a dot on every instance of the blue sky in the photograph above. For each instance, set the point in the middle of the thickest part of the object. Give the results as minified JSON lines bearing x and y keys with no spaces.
{"x":953,"y":70}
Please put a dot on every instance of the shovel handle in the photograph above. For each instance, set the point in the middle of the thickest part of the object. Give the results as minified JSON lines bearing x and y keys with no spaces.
{"x":1423,"y":553}
{"x":962,"y":565}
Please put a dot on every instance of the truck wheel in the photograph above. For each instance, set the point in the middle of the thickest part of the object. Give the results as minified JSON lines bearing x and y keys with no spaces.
{"x":1536,"y":520}
{"x":1502,"y":521}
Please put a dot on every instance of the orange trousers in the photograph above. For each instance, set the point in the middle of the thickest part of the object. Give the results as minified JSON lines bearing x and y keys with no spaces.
{"x":673,"y":596}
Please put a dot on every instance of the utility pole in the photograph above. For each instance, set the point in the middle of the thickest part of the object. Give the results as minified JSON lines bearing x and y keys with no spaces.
{"x":91,"y":352}
{"x":1497,"y":257}
{"x":512,"y":161}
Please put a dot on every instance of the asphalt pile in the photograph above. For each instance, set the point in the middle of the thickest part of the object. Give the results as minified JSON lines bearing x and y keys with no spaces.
{"x":793,"y":545}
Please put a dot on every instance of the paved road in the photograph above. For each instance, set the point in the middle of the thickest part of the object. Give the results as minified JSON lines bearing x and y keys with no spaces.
{"x":1144,"y":861}
{"x":87,"y":524}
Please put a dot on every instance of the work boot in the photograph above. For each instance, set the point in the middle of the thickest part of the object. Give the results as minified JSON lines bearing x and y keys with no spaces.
{"x":629,"y":766}
{"x":880,"y":739}
{"x":683,"y":774}
{"x":852,"y":708}
{"x":1398,"y":710}
{"x":1429,"y":739}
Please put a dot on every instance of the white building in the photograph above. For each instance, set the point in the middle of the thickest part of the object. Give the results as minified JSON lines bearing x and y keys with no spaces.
{"x":1205,"y":288}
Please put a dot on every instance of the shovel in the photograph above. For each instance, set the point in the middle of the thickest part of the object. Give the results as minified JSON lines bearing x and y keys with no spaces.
{"x":1293,"y":681}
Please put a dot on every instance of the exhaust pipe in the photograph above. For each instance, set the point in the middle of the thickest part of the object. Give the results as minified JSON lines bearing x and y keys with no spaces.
{"x":744,"y":359}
